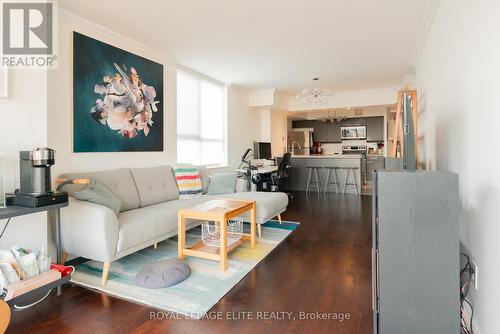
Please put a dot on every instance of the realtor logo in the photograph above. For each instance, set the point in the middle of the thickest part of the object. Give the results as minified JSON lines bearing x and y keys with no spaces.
{"x":27,"y":28}
{"x":28,"y":39}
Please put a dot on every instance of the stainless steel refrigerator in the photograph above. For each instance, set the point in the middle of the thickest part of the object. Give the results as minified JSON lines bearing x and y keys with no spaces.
{"x":415,"y":269}
{"x":300,"y":142}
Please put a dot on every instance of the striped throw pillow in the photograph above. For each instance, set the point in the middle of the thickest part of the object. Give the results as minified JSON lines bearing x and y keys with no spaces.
{"x":188,"y":181}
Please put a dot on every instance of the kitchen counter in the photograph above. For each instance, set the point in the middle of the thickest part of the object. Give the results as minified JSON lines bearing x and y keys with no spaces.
{"x":328,"y":156}
{"x":336,"y":156}
{"x":298,"y":173}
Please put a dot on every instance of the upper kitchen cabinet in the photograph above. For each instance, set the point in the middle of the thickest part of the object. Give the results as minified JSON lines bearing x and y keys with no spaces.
{"x":357,"y":121}
{"x":334,"y":132}
{"x":321,"y":131}
{"x":303,"y":124}
{"x":327,"y":132}
{"x":346,"y":122}
{"x":375,"y":129}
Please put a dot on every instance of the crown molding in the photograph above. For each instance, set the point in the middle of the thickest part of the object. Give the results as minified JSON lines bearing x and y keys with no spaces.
{"x":430,"y":12}
{"x":110,"y":36}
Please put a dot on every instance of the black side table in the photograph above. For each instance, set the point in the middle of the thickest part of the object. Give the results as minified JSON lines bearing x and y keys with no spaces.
{"x":15,"y":211}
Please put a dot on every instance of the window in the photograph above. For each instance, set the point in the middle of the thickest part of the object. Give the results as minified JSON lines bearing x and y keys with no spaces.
{"x":201,"y":121}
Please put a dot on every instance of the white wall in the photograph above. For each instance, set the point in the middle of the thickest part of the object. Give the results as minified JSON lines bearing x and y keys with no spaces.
{"x":262,"y":97}
{"x":279,"y":132}
{"x":458,"y":84}
{"x":244,"y":125}
{"x":24,"y":127}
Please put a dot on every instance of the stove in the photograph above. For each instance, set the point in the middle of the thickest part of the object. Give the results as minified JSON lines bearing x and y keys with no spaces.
{"x":360,"y":149}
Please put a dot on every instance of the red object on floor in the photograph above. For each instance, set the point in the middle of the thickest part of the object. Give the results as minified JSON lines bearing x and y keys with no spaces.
{"x":64,"y":270}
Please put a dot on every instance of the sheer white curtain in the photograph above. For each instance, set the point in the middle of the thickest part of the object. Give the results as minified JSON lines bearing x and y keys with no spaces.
{"x":201,"y":121}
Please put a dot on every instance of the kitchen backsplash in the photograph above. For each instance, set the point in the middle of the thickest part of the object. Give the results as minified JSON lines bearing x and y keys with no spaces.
{"x":331,"y":148}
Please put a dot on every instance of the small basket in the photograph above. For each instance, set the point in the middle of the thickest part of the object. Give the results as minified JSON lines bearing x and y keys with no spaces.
{"x":18,"y":273}
{"x":210,"y":232}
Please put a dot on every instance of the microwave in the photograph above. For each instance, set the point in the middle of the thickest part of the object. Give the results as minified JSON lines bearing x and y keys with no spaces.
{"x":353,"y":132}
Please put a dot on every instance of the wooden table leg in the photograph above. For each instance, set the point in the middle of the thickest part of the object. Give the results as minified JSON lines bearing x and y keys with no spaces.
{"x":253,"y":225}
{"x":223,"y":244}
{"x":181,"y":236}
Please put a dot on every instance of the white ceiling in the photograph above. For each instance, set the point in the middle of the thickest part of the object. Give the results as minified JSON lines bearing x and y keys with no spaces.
{"x":350,"y":44}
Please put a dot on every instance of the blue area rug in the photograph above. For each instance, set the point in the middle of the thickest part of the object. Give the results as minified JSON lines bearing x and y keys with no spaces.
{"x":195,"y":296}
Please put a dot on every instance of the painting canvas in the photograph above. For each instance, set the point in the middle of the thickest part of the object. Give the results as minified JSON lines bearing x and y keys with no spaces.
{"x":117,"y":99}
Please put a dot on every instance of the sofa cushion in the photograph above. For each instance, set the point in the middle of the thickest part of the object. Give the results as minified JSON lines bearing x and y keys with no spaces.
{"x":98,"y":193}
{"x":118,"y":181}
{"x":188,"y":181}
{"x":144,"y":224}
{"x":205,"y":178}
{"x":155,"y":184}
{"x":222,"y":183}
{"x":268,"y":204}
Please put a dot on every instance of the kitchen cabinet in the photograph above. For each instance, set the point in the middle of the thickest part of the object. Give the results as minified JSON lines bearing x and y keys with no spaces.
{"x":306,"y":123}
{"x":357,"y":121}
{"x":327,"y":132}
{"x":334,"y":132}
{"x":375,"y":129}
{"x":346,"y":122}
{"x":321,"y":131}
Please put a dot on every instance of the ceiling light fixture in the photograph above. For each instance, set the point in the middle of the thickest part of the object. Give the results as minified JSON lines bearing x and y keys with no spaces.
{"x":315,"y":96}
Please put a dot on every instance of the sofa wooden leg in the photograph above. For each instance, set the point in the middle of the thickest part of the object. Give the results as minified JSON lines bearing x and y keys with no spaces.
{"x":105,"y":271}
{"x":155,"y":245}
{"x":279,"y":219}
{"x":64,"y":256}
{"x":259,"y":230}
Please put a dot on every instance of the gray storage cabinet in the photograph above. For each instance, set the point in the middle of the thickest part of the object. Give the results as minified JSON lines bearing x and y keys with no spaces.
{"x":415,"y":252}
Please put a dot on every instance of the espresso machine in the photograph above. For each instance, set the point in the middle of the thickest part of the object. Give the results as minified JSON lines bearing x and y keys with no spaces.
{"x":35,"y":182}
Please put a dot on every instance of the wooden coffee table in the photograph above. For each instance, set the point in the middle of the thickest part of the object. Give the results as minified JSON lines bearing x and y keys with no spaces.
{"x":220,"y":211}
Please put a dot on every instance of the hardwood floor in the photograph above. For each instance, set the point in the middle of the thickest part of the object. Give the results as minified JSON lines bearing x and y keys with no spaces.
{"x":324,"y":266}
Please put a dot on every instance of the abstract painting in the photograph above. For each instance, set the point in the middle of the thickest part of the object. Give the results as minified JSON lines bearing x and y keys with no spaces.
{"x":117,"y":99}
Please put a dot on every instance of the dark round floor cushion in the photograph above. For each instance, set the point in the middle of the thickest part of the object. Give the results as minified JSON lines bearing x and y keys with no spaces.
{"x":162,"y":274}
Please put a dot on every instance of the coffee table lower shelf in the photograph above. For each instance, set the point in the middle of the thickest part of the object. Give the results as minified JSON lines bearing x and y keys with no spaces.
{"x":199,"y":249}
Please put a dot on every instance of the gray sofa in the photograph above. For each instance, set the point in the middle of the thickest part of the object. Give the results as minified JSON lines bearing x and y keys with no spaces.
{"x":150,"y":201}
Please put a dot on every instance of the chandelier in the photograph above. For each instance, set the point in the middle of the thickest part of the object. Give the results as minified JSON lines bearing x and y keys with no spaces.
{"x":316,"y":96}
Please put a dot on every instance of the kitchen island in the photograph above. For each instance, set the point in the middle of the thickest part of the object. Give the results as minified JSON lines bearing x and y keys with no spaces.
{"x":298,"y":173}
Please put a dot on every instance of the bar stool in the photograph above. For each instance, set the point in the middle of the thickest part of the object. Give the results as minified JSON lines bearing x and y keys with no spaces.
{"x":329,"y":183}
{"x":313,"y":178}
{"x":351,"y":170}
